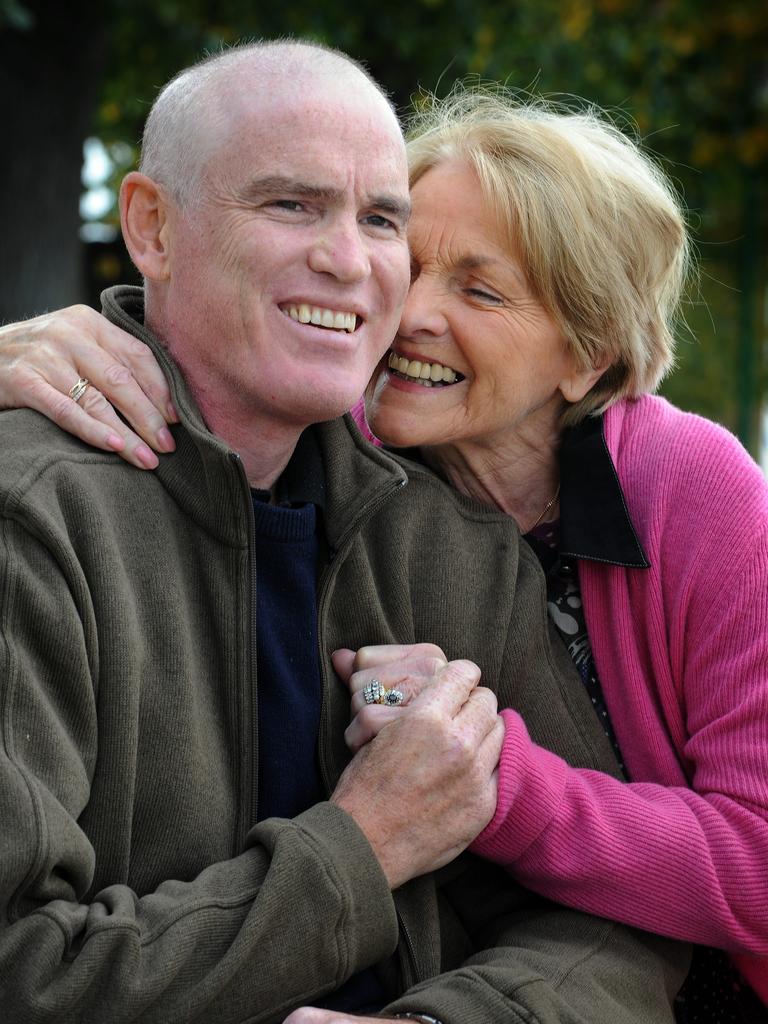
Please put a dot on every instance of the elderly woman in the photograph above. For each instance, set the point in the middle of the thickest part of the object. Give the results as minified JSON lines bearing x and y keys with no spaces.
{"x":548,"y":259}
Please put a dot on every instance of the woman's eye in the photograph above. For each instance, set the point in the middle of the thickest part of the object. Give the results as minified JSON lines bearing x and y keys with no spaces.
{"x":478,"y":293}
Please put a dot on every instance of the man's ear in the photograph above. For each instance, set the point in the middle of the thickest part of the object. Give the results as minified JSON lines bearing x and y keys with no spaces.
{"x":144,"y":217}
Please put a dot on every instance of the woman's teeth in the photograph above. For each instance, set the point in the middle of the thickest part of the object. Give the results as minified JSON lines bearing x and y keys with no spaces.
{"x":427,"y":374}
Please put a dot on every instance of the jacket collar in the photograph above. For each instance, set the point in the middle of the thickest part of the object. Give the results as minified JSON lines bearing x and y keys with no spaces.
{"x":594,"y":519}
{"x":205,"y":477}
{"x":359,"y":478}
{"x":303,"y":479}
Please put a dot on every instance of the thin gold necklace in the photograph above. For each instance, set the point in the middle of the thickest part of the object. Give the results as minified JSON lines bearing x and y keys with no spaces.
{"x":546,"y":509}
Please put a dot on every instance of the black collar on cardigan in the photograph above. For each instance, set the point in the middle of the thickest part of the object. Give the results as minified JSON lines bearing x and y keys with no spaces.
{"x":594,"y":519}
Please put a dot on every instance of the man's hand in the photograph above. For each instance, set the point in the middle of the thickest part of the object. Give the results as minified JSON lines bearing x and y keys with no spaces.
{"x":311,"y":1015}
{"x":425,"y":786}
{"x":41,"y":359}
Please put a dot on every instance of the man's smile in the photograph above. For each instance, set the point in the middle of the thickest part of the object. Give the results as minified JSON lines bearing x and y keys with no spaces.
{"x":334,"y":319}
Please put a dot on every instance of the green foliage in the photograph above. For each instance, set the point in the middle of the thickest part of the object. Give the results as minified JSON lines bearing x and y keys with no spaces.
{"x":16,"y":15}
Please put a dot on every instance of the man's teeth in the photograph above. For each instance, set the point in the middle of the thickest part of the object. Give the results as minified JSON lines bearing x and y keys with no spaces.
{"x":427,"y":374}
{"x":338,"y":321}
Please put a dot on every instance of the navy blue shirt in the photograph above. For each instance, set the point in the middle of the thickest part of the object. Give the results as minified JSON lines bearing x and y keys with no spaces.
{"x":290,"y":549}
{"x":289,"y":696}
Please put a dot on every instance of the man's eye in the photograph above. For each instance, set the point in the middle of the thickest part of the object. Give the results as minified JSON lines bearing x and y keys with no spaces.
{"x":377,"y":221}
{"x":288,"y":204}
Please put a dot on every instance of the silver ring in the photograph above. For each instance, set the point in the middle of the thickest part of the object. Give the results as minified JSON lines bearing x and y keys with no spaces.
{"x":77,"y":391}
{"x":375,"y":693}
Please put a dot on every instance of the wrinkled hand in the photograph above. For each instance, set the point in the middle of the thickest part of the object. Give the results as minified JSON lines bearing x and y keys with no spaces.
{"x":41,"y":359}
{"x":425,"y":786}
{"x":408,"y":668}
{"x":311,"y":1015}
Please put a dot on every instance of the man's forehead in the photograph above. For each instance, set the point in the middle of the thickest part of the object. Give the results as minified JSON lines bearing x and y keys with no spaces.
{"x":330,"y":138}
{"x":279,"y":148}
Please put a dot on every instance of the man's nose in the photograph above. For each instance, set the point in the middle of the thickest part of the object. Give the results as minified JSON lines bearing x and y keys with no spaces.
{"x":423,"y":313}
{"x":342,"y":252}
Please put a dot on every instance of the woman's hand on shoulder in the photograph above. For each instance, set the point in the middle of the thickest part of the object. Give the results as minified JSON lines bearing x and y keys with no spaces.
{"x":42,"y":359}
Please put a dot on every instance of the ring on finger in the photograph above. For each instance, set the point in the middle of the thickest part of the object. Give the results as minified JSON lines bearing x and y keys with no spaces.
{"x":372,"y":692}
{"x":375,"y":693}
{"x":77,"y":391}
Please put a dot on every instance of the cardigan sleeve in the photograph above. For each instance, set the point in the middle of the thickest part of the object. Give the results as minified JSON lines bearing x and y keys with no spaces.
{"x":682,"y":654}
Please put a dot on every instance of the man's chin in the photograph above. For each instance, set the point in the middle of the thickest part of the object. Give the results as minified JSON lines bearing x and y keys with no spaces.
{"x":321,"y":407}
{"x":332,"y":398}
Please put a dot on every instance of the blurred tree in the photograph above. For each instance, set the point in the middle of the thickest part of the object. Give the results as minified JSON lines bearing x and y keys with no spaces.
{"x":694,"y":81}
{"x":50,"y":71}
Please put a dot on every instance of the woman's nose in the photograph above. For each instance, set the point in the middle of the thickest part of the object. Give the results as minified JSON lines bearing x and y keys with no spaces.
{"x":423,"y":312}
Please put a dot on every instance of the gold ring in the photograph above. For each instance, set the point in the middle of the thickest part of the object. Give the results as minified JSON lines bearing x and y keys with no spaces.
{"x":77,"y":391}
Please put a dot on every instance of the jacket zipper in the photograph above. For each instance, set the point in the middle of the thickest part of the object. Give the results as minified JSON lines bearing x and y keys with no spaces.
{"x":250,"y":730}
{"x":327,"y":578}
{"x":408,"y":961}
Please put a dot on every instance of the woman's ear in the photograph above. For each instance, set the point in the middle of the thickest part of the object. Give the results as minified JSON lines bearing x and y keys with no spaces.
{"x":145,"y":221}
{"x":580,"y":381}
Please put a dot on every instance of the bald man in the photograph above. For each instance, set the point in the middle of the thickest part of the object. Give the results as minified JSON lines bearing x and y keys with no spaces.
{"x":184,"y":837}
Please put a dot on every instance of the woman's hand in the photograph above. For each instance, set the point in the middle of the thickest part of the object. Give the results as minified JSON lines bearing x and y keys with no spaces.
{"x":41,"y":359}
{"x":425,"y":786}
{"x":409,"y":668}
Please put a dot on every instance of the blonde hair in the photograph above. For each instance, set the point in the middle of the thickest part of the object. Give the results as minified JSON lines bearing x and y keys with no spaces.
{"x":596,"y":223}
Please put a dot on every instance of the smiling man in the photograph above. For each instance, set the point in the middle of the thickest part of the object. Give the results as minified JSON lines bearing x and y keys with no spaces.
{"x":296,"y":232}
{"x":184,"y":837}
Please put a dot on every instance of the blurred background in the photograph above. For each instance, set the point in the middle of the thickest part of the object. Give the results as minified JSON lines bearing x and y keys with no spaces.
{"x":77,"y":80}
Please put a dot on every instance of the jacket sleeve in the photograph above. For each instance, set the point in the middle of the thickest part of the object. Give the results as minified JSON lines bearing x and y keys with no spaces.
{"x":689,"y":862}
{"x":550,"y":965}
{"x":240,"y":941}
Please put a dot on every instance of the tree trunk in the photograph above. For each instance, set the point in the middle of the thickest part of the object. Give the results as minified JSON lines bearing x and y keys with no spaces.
{"x":49,"y":76}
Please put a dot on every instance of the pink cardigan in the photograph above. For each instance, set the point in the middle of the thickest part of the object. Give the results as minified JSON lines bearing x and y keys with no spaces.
{"x":681,"y":651}
{"x":682,"y":655}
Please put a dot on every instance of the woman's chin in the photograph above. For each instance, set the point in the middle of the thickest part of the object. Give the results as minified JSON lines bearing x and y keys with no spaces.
{"x":393,"y":431}
{"x":394,"y":438}
{"x":393,"y":420}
